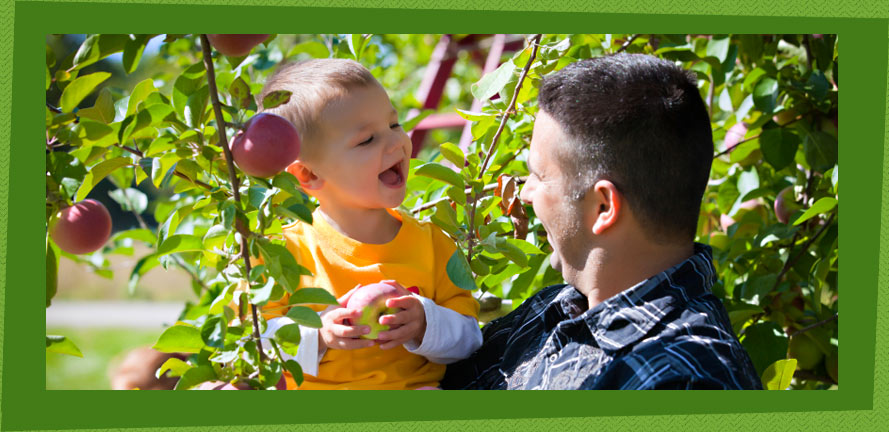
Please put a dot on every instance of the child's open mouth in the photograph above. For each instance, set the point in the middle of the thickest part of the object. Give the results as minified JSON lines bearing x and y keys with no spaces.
{"x":394,"y":176}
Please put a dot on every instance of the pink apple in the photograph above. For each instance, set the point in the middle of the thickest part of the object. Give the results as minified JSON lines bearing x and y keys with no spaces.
{"x":371,"y":301}
{"x":785,"y":205}
{"x":266,"y":146}
{"x":236,"y":45}
{"x":82,"y":228}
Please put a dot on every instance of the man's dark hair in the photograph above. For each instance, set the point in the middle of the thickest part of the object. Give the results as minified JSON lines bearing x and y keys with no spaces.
{"x":639,"y":122}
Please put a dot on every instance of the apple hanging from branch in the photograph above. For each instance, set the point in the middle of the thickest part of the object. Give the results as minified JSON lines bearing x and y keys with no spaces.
{"x":82,"y":228}
{"x":266,"y":146}
{"x":236,"y":45}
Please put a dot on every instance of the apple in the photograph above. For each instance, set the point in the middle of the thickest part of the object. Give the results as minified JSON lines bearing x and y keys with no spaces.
{"x":266,"y":146}
{"x":785,"y":116}
{"x":725,"y":221}
{"x":804,"y":350}
{"x":235,"y":45}
{"x":371,"y":301}
{"x":785,"y":205}
{"x":82,"y":228}
{"x":734,"y":135}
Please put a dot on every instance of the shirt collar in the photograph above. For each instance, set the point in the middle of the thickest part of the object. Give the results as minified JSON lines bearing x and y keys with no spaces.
{"x":628,"y":316}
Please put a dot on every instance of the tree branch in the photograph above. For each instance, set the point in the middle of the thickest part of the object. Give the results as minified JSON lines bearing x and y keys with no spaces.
{"x":798,"y":118}
{"x":488,"y":188}
{"x":535,"y":43}
{"x":223,"y":141}
{"x":831,"y":318}
{"x":627,"y":44}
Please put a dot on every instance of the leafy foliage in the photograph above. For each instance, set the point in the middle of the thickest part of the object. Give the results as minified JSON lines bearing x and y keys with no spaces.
{"x":162,"y":133}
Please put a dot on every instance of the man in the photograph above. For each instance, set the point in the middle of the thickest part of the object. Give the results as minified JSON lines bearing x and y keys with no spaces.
{"x":619,"y":160}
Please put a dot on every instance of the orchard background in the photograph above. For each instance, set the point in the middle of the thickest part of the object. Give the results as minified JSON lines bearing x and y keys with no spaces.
{"x":133,"y":121}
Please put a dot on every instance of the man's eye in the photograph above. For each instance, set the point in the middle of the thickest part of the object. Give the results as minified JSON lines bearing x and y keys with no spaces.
{"x":367,"y":141}
{"x":395,"y":125}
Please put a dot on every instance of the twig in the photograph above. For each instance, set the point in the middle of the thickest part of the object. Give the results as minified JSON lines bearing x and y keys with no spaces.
{"x":488,"y":188}
{"x":627,"y":44}
{"x":223,"y":141}
{"x":535,"y":41}
{"x":798,"y":118}
{"x":831,"y":318}
{"x":176,"y":173}
{"x":54,"y":109}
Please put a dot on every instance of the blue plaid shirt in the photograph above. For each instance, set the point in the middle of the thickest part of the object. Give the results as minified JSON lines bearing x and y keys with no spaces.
{"x":668,"y":332}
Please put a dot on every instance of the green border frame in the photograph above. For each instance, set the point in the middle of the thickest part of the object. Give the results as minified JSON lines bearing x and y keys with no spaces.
{"x":860,"y":403}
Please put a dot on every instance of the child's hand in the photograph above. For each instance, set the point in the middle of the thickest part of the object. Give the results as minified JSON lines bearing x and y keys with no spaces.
{"x":406,"y":325}
{"x":334,"y":333}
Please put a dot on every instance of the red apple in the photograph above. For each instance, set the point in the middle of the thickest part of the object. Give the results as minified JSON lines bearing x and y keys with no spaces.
{"x":235,"y":45}
{"x":82,"y":228}
{"x":785,"y":205}
{"x":266,"y":146}
{"x":371,"y":301}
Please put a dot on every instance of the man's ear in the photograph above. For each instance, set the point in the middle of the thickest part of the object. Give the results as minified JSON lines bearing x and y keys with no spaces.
{"x":607,"y":205}
{"x":308,"y":179}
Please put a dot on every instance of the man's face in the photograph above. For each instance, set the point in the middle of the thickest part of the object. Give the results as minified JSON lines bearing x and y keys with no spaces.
{"x":548,"y":191}
{"x":364,"y":153}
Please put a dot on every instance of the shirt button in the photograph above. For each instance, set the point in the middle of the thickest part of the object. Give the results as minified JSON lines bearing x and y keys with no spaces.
{"x":553,"y":357}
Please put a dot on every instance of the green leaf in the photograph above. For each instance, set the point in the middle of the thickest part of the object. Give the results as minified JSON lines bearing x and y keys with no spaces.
{"x":62,"y":345}
{"x":99,"y":172}
{"x":453,"y":154}
{"x":778,"y":147}
{"x":186,"y":84}
{"x":304,"y":316}
{"x":459,"y":271}
{"x":493,"y":82}
{"x":821,"y":206}
{"x":240,"y":92}
{"x":765,"y":95}
{"x":295,"y":369}
{"x":718,"y":47}
{"x":180,"y":243}
{"x":179,"y":338}
{"x":213,"y":332}
{"x":222,"y":300}
{"x":275,"y":98}
{"x":81,"y":88}
{"x":52,"y":273}
{"x":103,"y":110}
{"x":294,"y":211}
{"x":289,"y":334}
{"x":779,"y":374}
{"x":195,"y":376}
{"x":440,"y":172}
{"x":142,"y":266}
{"x":261,"y":296}
{"x":139,"y":94}
{"x":130,"y":199}
{"x":821,"y":150}
{"x":176,"y":366}
{"x":766,"y":343}
{"x":96,"y":47}
{"x":409,"y":124}
{"x":196,"y":107}
{"x":312,"y":296}
{"x":132,"y":51}
{"x":312,"y":48}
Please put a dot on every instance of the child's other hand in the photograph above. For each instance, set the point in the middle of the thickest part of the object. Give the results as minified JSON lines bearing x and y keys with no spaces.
{"x":334,"y":333}
{"x":407,"y":325}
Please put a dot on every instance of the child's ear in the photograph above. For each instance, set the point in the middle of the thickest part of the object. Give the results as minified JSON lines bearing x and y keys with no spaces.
{"x":307,"y":178}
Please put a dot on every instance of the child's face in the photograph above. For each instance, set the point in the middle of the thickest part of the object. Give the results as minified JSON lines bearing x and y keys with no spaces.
{"x":365,"y":154}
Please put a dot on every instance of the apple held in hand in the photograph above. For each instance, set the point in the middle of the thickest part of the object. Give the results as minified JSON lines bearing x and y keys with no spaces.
{"x":371,"y":301}
{"x":266,"y":146}
{"x":235,"y":45}
{"x":82,"y":228}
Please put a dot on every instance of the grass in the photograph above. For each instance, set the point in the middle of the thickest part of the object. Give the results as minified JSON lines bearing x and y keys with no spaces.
{"x":102,"y":348}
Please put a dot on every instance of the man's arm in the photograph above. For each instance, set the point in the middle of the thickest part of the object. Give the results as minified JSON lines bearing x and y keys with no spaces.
{"x":481,"y":371}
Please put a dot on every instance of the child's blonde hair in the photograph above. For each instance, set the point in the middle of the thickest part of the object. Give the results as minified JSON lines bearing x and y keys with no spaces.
{"x":313,"y":84}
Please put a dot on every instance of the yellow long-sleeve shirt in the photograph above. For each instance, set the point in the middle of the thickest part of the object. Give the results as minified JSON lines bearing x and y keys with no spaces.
{"x":417,"y":256}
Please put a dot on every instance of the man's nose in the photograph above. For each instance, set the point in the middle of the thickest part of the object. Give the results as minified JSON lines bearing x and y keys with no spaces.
{"x":525,"y":193}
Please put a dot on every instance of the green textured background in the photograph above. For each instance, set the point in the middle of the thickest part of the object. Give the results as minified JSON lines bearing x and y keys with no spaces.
{"x":860,"y":404}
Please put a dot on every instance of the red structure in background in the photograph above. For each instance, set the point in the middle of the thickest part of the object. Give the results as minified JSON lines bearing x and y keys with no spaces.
{"x":439,"y":70}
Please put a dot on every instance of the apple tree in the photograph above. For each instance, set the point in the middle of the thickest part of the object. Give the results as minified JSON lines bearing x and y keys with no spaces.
{"x":770,"y":212}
